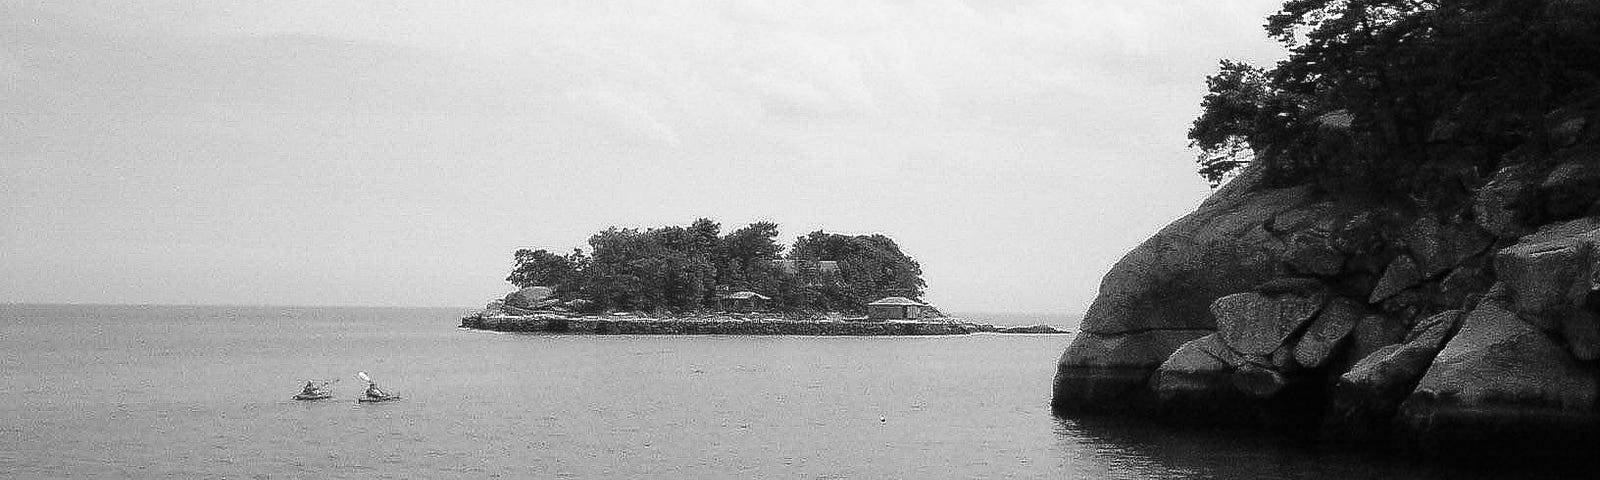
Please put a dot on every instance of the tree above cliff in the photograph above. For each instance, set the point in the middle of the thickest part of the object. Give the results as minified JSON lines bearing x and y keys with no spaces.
{"x":1370,"y":85}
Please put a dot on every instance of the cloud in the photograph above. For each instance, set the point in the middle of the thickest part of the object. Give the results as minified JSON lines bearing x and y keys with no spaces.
{"x":628,"y":117}
{"x":950,"y":125}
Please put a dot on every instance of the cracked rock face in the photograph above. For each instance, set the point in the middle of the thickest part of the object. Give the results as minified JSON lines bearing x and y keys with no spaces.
{"x":1167,"y":285}
{"x":1369,"y":394}
{"x":1254,"y":324}
{"x":1420,"y":319}
{"x":1327,"y":333}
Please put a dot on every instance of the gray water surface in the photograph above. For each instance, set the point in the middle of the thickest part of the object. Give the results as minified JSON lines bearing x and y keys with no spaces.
{"x":192,"y":392}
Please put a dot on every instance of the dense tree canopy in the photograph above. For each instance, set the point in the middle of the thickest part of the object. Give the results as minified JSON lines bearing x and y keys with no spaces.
{"x":870,"y":267}
{"x":1370,"y":87}
{"x":540,"y":267}
{"x":681,"y":269}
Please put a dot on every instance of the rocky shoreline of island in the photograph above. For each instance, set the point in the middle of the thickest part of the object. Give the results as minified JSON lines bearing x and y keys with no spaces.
{"x":626,"y":324}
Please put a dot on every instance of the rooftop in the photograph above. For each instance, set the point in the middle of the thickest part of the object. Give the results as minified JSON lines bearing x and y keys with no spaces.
{"x":896,"y":301}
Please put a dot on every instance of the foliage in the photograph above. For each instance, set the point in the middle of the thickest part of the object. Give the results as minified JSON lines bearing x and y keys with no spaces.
{"x":1225,"y":129}
{"x":747,"y":258}
{"x":1370,"y":85}
{"x":668,"y":267}
{"x":681,"y":269}
{"x":870,"y":267}
{"x":540,"y":267}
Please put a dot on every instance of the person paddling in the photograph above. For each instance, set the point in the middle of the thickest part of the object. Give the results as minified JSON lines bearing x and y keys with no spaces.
{"x":374,"y":392}
{"x":311,"y":389}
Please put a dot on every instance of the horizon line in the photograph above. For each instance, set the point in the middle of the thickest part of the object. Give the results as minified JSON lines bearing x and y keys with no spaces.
{"x":956,"y":313}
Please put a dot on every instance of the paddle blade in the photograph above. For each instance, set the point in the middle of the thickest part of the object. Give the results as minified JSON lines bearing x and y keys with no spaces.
{"x":363,"y":376}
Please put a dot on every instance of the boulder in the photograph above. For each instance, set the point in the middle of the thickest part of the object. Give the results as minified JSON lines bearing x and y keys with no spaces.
{"x":1561,"y":231}
{"x":1313,"y":253}
{"x":1373,"y":332}
{"x":1464,"y":283}
{"x":1255,"y":324}
{"x":1171,"y":279}
{"x":1370,"y":393}
{"x":1499,"y":371}
{"x":1544,"y":277}
{"x":1360,"y":237}
{"x":1257,"y":306}
{"x":1495,"y":205}
{"x":1580,"y":328}
{"x":1327,"y":332}
{"x":1144,"y":350}
{"x":1205,"y":374}
{"x":1203,"y":365}
{"x":1402,"y":273}
{"x":1109,"y":372}
{"x":1435,"y":330}
{"x":1438,"y":247}
{"x":1168,"y":283}
{"x":1248,"y":357}
{"x":1259,"y":382}
{"x":1282,"y":359}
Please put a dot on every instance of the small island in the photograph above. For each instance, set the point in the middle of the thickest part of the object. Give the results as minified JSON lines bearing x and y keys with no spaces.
{"x":694,"y":280}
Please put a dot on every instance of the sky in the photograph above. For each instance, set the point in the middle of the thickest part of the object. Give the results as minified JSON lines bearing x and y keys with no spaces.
{"x":378,"y":153}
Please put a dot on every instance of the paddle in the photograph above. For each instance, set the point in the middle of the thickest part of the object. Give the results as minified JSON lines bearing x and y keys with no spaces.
{"x":363,"y":376}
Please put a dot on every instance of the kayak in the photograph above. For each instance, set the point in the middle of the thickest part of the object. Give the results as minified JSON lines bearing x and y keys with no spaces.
{"x":365,"y":398}
{"x":313,"y":396}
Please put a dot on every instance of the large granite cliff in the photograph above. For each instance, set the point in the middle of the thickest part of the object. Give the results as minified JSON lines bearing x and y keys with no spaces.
{"x":1400,"y":319}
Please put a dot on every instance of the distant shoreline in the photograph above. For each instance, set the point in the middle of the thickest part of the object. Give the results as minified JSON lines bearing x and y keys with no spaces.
{"x":555,"y":323}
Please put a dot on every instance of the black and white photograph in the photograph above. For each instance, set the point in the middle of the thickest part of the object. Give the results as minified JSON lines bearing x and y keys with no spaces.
{"x":820,"y":239}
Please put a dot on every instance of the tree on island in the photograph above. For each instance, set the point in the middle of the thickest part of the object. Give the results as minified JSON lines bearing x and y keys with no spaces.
{"x":1370,"y":87}
{"x":540,"y":267}
{"x":680,"y":269}
{"x":748,"y":259}
{"x":870,"y":267}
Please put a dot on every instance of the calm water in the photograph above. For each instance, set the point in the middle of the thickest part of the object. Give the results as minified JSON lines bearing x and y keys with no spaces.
{"x":190,"y":392}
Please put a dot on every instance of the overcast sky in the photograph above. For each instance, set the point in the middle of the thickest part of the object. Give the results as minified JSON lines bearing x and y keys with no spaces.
{"x":395,"y":152}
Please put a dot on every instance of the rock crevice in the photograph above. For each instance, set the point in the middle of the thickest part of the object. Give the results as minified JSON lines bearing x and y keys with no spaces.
{"x":1414,"y":321}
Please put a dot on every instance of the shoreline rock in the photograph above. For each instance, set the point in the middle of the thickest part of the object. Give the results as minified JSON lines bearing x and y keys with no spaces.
{"x":1402,"y":322}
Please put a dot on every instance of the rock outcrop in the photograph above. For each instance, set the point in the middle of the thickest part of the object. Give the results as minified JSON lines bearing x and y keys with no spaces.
{"x":1402,"y":319}
{"x":1159,"y":296}
{"x":1367,"y":396}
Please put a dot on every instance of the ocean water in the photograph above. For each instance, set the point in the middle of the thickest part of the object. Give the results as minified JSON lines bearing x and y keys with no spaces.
{"x":204,"y":392}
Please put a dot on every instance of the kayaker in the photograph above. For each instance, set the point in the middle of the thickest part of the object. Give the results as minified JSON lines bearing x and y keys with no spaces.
{"x":374,"y":392}
{"x":311,"y":389}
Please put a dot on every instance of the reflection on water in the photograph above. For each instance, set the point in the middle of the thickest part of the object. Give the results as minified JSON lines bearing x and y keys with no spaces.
{"x":1131,"y":448}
